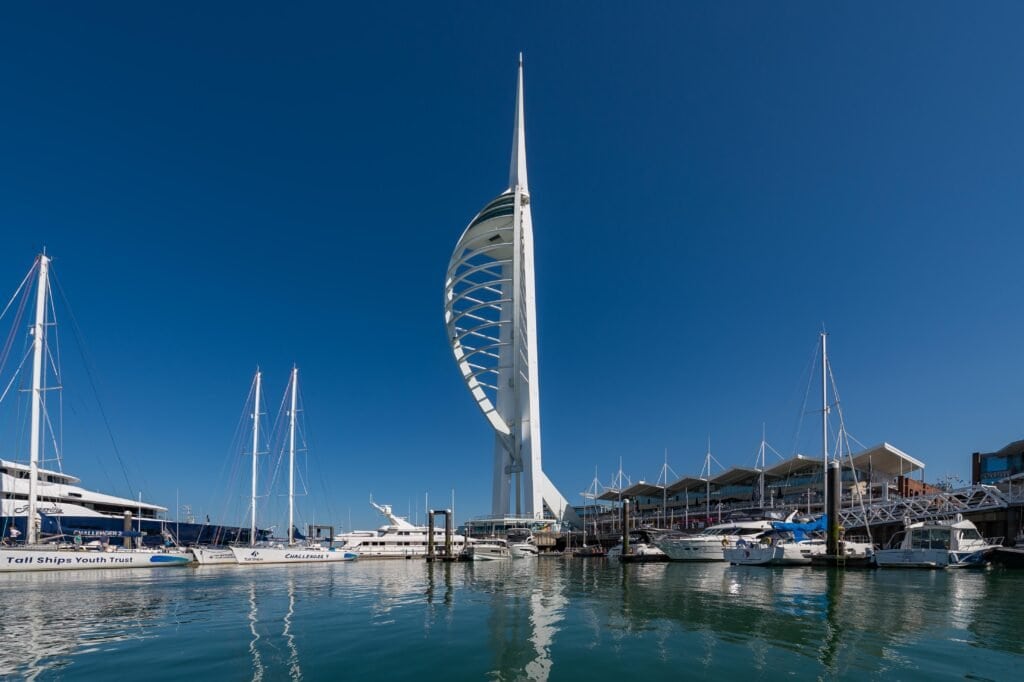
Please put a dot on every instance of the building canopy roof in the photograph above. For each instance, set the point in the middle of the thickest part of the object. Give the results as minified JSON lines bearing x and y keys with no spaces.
{"x":690,"y":483}
{"x":642,"y":489}
{"x":794,"y":465}
{"x":610,"y":495}
{"x":886,"y":459}
{"x":735,"y":475}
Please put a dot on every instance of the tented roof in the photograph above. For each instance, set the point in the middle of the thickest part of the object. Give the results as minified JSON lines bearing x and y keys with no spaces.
{"x":793,"y":465}
{"x":886,"y":459}
{"x":642,"y":489}
{"x":735,"y":475}
{"x":691,"y":483}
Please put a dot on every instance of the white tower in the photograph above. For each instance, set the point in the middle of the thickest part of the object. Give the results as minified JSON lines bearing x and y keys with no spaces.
{"x":491,"y":316}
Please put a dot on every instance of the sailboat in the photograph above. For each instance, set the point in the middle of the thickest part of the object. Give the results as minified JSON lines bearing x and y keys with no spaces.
{"x":212,"y":554}
{"x":789,"y":543}
{"x":60,"y":554}
{"x":292,"y":553}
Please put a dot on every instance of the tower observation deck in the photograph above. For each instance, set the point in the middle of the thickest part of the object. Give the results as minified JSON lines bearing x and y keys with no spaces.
{"x":491,"y":318}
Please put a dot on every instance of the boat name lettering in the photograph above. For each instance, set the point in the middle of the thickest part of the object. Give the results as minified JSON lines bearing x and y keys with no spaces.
{"x":42,"y":510}
{"x":307,"y":555}
{"x":66,"y":561}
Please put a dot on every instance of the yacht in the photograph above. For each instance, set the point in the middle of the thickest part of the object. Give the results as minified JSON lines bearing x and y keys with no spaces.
{"x":294,"y":552}
{"x":947,"y":543}
{"x":708,"y":544}
{"x":66,"y":508}
{"x":37,"y":530}
{"x":773,"y":548}
{"x":488,"y":549}
{"x":521,"y":543}
{"x":397,"y":539}
{"x":642,"y":547}
{"x":793,"y":544}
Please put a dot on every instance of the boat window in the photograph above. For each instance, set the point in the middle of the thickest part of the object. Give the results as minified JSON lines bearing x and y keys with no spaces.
{"x":970,"y":534}
{"x":929,"y":538}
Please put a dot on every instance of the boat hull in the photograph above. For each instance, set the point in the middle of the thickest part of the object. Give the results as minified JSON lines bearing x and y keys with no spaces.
{"x":290,"y":555}
{"x":789,"y":554}
{"x":16,"y":559}
{"x":1011,"y":557}
{"x":930,"y":558}
{"x":213,"y":555}
{"x":522,"y":550}
{"x":692,"y":549}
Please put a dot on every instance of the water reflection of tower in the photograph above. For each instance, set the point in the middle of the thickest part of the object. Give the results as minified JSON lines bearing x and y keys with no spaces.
{"x":528,"y":605}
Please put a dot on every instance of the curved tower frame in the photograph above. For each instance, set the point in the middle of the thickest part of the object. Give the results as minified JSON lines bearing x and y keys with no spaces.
{"x":491,"y":318}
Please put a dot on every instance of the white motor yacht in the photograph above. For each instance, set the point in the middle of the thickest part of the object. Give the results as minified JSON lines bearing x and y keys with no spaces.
{"x":710,"y":542}
{"x":521,"y":543}
{"x":642,"y":547}
{"x":949,"y":543}
{"x":782,"y":548}
{"x":397,"y":539}
{"x":488,"y":549}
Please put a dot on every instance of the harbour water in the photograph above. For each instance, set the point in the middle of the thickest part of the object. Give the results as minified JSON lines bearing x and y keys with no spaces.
{"x":549,"y":618}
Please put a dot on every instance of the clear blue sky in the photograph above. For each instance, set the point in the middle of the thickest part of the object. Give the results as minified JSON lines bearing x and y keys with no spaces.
{"x":267,"y":184}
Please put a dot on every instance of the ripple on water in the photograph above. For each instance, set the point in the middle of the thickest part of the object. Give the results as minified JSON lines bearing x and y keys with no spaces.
{"x":550,"y":618}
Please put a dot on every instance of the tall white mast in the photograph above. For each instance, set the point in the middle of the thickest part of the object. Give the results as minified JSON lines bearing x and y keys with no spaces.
{"x":824,"y":420}
{"x":255,"y":452}
{"x":707,"y":482}
{"x":38,"y":339}
{"x":760,"y":495}
{"x":291,"y":459}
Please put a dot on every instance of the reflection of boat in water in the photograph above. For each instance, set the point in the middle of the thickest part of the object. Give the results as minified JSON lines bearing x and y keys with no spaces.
{"x":27,"y":490}
{"x":291,"y":553}
{"x":398,"y":539}
{"x":950,"y":543}
{"x":709,"y":543}
{"x":57,"y":616}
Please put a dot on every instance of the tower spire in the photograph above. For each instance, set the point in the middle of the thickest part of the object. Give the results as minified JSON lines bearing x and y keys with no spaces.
{"x":517,"y":169}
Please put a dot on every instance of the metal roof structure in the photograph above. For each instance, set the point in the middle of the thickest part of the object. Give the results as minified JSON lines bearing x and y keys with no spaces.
{"x":794,"y":465}
{"x":735,"y":475}
{"x":886,"y":459}
{"x":690,"y":483}
{"x":643,"y":489}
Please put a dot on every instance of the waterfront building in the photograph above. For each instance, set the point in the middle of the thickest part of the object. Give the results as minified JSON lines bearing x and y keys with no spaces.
{"x":993,"y":467}
{"x":877,"y":475}
{"x":491,"y":322}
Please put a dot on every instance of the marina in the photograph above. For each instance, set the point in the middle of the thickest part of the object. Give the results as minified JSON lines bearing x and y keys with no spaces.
{"x":734,"y":211}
